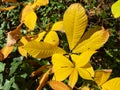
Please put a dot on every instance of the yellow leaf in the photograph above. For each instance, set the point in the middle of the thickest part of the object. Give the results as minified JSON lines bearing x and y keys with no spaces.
{"x":113,"y":84}
{"x":42,"y":49}
{"x":74,"y":23}
{"x":86,"y":72}
{"x":38,"y":3}
{"x":22,"y":51}
{"x":89,"y":33}
{"x":43,"y":79}
{"x":52,"y":38}
{"x":73,"y":78}
{"x":29,"y":17}
{"x":61,"y":64}
{"x":94,"y":42}
{"x":58,"y":26}
{"x":57,"y":85}
{"x":6,"y":50}
{"x":23,"y":41}
{"x":116,"y":9}
{"x":82,"y":59}
{"x":7,"y":8}
{"x":40,"y":36}
{"x":101,"y":76}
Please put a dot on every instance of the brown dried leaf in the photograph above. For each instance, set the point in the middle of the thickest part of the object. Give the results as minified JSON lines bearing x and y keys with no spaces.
{"x":7,"y":8}
{"x":44,"y":79}
{"x":39,"y":70}
{"x":1,"y":56}
{"x":13,"y":36}
{"x":57,"y":85}
{"x":9,"y":1}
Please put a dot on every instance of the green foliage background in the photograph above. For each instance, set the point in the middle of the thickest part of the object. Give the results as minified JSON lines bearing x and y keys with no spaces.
{"x":15,"y":70}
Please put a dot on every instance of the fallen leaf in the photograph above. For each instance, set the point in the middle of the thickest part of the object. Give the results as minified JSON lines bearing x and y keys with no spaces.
{"x":57,"y":85}
{"x":39,"y":70}
{"x":9,"y":1}
{"x":6,"y":50}
{"x":44,"y":79}
{"x":13,"y":36}
{"x":1,"y":56}
{"x":7,"y":8}
{"x":28,"y":17}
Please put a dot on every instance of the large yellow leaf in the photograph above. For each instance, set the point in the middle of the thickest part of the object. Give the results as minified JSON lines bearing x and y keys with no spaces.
{"x":113,"y":84}
{"x":74,"y":23}
{"x":86,"y":72}
{"x":61,"y":64}
{"x":94,"y":42}
{"x":42,"y":49}
{"x":82,"y":59}
{"x":52,"y":38}
{"x":101,"y":76}
{"x":58,"y":26}
{"x":73,"y":78}
{"x":57,"y":85}
{"x":116,"y":9}
{"x":29,"y":17}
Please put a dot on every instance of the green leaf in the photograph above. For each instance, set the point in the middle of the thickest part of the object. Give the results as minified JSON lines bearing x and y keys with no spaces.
{"x":14,"y":65}
{"x":15,"y":86}
{"x":8,"y":84}
{"x":2,"y":67}
{"x":42,"y":49}
{"x":1,"y":80}
{"x":116,"y":9}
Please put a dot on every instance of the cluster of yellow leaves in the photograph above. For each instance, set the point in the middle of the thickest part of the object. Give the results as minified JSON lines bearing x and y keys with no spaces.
{"x":82,"y":46}
{"x":74,"y":24}
{"x":28,"y":17}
